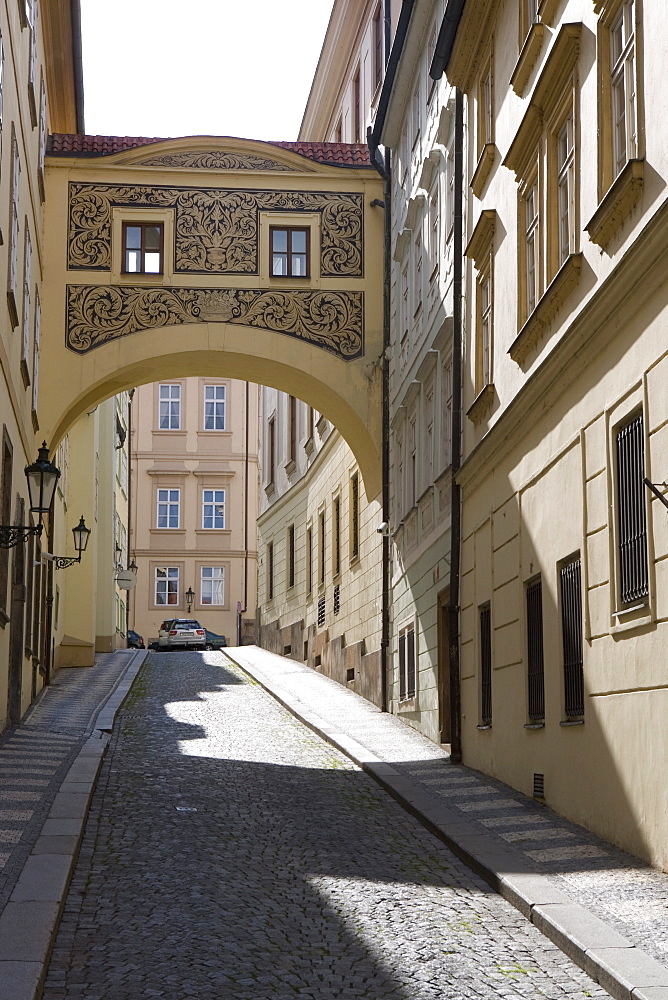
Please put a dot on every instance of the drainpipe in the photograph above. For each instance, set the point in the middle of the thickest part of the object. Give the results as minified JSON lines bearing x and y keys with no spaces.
{"x":129,"y":446}
{"x":241,"y":610}
{"x":455,"y":490}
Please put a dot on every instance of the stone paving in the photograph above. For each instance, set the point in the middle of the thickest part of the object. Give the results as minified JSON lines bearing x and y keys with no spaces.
{"x":36,"y":755}
{"x":230,"y":853}
{"x":619,"y":888}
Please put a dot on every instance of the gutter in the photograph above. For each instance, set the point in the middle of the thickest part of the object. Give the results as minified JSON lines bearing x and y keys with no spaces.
{"x":77,"y":65}
{"x":390,"y":74}
{"x":446,"y":38}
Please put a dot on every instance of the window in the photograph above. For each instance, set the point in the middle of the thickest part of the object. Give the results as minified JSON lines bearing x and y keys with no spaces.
{"x":446,"y":411}
{"x":169,"y":503}
{"x":289,"y":252}
{"x":357,"y":118}
{"x":15,"y":183}
{"x":565,"y":190}
{"x":404,"y":320}
{"x":632,"y":512}
{"x":291,"y":555}
{"x":35,"y":358}
{"x":143,"y":247}
{"x":292,"y":429}
{"x":433,"y":223}
{"x":412,"y":469}
{"x":428,"y":469}
{"x":6,"y":513}
{"x":25,"y":318}
{"x":484,"y":353}
{"x":481,"y":250}
{"x":354,"y":515}
{"x":170,"y":407}
{"x":309,"y":560}
{"x":270,"y":571}
{"x":416,"y":115}
{"x":336,"y":537}
{"x":377,"y":42}
{"x":213,"y":509}
{"x":623,"y":86}
{"x":167,"y":585}
{"x":407,"y":663}
{"x":535,"y":669}
{"x":417,"y":277}
{"x":271,"y":451}
{"x":528,"y":17}
{"x":570,"y":578}
{"x":321,"y":547}
{"x":42,"y":130}
{"x":531,"y":247}
{"x":485,"y":109}
{"x":212,"y":585}
{"x":486,"y":665}
{"x":214,"y":407}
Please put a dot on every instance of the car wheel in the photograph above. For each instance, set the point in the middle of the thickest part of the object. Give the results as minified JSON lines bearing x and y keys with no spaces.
{"x":208,"y":646}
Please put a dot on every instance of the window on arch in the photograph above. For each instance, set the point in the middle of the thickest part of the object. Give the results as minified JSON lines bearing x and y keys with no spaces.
{"x":289,"y":252}
{"x":143,"y":244}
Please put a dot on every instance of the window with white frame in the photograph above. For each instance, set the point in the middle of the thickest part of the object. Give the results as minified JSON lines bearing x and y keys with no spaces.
{"x":623,"y":86}
{"x":214,"y":407}
{"x":531,"y":246}
{"x":446,"y":411}
{"x":32,"y":63}
{"x":428,"y":470}
{"x":400,"y":484}
{"x":212,"y":585}
{"x":404,"y":320}
{"x":42,"y":137}
{"x":407,"y":671}
{"x":485,"y":330}
{"x":169,"y":508}
{"x":417,"y":275}
{"x":170,"y":407}
{"x":167,"y":585}
{"x":12,"y":253}
{"x":449,"y":194}
{"x":37,"y":319}
{"x":433,"y":233}
{"x":213,"y":509}
{"x":565,"y":189}
{"x":25,"y":318}
{"x":416,"y":115}
{"x":412,"y":469}
{"x":485,"y":109}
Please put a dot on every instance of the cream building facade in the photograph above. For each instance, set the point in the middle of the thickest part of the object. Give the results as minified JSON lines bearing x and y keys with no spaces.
{"x":321,"y":584}
{"x":565,"y":546}
{"x":193,"y":506}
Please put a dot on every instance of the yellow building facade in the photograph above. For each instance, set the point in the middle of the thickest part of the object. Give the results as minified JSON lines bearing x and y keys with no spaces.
{"x":565,"y":547}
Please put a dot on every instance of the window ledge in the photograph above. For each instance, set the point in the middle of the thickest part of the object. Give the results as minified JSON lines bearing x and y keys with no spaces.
{"x":25,"y":374}
{"x":546,"y":10}
{"x":407,"y":705}
{"x":213,"y":531}
{"x":527,"y":58}
{"x":534,"y":725}
{"x":482,"y":404}
{"x":483,"y":168}
{"x":617,"y":204}
{"x":309,"y":445}
{"x":571,"y":722}
{"x":551,"y":301}
{"x":171,"y":531}
{"x":483,"y":728}
{"x":270,"y":489}
{"x":162,"y":432}
{"x":321,"y":425}
{"x":290,"y":467}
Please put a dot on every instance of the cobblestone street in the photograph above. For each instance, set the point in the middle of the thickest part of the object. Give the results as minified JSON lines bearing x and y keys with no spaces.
{"x":230,"y":853}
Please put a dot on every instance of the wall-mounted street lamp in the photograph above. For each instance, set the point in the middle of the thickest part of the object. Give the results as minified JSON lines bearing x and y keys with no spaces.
{"x":81,"y":535}
{"x":190,"y":598}
{"x":42,"y":477}
{"x":654,"y":487}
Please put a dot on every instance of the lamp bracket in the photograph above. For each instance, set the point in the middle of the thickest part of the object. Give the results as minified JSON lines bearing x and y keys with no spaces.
{"x":63,"y":562}
{"x":655,"y":491}
{"x":12,"y":534}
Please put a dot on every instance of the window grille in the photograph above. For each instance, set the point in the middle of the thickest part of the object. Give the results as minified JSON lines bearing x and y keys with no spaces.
{"x":336,"y":539}
{"x":355,"y":524}
{"x":633,"y":571}
{"x":337,"y":599}
{"x":309,"y":560}
{"x":536,"y":675}
{"x":486,"y":665}
{"x":270,"y":570}
{"x":321,"y":611}
{"x":571,"y":630}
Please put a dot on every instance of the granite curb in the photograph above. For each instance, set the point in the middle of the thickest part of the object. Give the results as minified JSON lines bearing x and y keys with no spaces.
{"x":29,"y":921}
{"x":611,"y":960}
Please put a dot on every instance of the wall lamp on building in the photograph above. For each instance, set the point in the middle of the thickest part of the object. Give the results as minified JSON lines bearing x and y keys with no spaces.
{"x":81,"y":535}
{"x":42,"y":478}
{"x":190,"y":598}
{"x":654,"y":487}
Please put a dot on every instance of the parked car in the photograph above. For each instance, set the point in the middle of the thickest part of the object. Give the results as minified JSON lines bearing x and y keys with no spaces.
{"x":135,"y":640}
{"x":214,"y":641}
{"x":181,"y":633}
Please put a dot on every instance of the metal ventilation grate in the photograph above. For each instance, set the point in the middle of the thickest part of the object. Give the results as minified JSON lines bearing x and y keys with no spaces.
{"x":538,"y":786}
{"x":337,"y":599}
{"x":321,"y":612}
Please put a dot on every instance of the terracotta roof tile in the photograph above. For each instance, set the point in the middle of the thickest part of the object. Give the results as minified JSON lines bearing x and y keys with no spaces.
{"x":339,"y":153}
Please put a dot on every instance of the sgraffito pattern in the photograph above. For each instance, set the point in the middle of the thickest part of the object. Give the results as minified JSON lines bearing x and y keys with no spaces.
{"x":215,"y":160}
{"x":216,"y":229}
{"x":98,"y":314}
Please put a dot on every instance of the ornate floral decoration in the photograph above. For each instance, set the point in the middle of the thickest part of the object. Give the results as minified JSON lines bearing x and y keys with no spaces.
{"x":215,"y":159}
{"x":98,"y":314}
{"x":216,"y":229}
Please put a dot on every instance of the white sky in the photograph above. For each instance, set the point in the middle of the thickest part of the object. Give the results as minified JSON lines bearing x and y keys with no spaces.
{"x":200,"y":67}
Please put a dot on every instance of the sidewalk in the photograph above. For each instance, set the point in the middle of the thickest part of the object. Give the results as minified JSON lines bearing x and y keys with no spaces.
{"x":604,"y":908}
{"x":48,"y":768}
